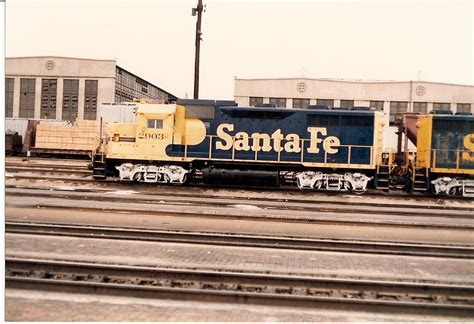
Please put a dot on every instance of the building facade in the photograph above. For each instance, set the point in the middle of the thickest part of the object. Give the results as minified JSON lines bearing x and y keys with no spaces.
{"x":67,"y":88}
{"x":390,"y":97}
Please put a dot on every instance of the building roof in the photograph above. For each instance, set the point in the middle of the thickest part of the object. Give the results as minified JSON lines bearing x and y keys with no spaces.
{"x":136,"y":76}
{"x":60,"y":57}
{"x":157,"y":109}
{"x":352,"y":81}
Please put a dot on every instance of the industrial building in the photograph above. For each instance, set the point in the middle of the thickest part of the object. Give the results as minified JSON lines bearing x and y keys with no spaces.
{"x":390,"y":97}
{"x":66,"y":88}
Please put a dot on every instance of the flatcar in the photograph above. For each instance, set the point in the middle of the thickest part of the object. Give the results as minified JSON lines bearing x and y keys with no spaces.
{"x":318,"y":149}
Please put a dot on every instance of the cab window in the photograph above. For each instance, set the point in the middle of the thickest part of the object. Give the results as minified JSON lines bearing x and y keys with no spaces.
{"x":155,"y":123}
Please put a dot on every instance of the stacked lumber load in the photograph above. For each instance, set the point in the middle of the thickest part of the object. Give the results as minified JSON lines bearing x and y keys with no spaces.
{"x":83,"y":135}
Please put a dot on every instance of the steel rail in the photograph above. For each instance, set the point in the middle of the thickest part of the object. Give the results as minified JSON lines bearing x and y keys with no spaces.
{"x":53,"y":179}
{"x":261,"y":203}
{"x":238,"y":287}
{"x":40,"y":169}
{"x":247,"y":240}
{"x":39,"y":159}
{"x":50,"y":166}
{"x":168,"y":211}
{"x":170,"y":195}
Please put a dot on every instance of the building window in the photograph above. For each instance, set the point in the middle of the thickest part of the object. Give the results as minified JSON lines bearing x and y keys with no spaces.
{"x":378,"y":105}
{"x":396,"y":109}
{"x":325,"y":102}
{"x":254,"y":101}
{"x":300,"y":103}
{"x":463,"y":108}
{"x":155,"y":123}
{"x":441,"y":106}
{"x":420,"y":107}
{"x":70,"y":99}
{"x":48,"y":98}
{"x":279,"y":102}
{"x":128,"y":87}
{"x":27,"y":98}
{"x":347,"y":104}
{"x":9,"y":86}
{"x":90,"y":100}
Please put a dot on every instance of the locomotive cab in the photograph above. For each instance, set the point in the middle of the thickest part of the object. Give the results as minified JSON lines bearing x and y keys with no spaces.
{"x":146,"y":138}
{"x":157,"y":128}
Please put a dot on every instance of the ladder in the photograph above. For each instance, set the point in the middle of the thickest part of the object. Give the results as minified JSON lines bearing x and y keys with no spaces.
{"x":383,"y":172}
{"x":98,"y":166}
{"x":421,"y":180}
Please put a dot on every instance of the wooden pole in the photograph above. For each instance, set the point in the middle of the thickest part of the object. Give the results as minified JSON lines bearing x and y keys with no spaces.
{"x":199,"y":10}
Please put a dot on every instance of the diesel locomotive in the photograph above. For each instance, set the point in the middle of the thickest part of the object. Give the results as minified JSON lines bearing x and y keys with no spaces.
{"x":316,"y":148}
{"x":444,"y":161}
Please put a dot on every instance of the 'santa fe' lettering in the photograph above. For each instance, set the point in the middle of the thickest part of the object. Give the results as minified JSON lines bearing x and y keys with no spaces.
{"x":256,"y":142}
{"x":468,"y":145}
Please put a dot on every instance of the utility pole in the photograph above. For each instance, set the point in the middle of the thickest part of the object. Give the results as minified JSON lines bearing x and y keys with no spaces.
{"x":197,"y":10}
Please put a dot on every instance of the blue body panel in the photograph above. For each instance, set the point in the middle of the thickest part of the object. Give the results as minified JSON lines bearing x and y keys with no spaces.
{"x":447,"y":138}
{"x":350,"y":127}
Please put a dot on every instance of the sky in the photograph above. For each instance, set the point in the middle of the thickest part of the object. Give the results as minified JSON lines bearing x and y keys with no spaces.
{"x":363,"y":39}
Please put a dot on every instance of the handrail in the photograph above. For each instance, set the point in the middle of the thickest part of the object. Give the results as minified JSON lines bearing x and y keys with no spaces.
{"x":304,"y":157}
{"x":436,"y":161}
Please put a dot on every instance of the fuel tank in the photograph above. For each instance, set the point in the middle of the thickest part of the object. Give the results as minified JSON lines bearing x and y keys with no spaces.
{"x":222,"y":176}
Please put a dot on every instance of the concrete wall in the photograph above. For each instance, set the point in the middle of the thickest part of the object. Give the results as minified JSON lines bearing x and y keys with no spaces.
{"x":60,"y":68}
{"x":66,"y":67}
{"x":353,"y":90}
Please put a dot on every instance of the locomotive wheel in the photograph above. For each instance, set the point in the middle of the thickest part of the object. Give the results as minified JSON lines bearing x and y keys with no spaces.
{"x":138,"y":176}
{"x":455,"y":191}
{"x":358,"y":192}
{"x":185,"y":178}
{"x":166,"y":178}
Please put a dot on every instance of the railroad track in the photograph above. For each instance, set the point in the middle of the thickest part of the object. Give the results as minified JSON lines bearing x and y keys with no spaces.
{"x":245,"y":288}
{"x":206,"y":200}
{"x":232,"y":239}
{"x":48,"y":166}
{"x":100,"y":204}
{"x":61,"y":167}
{"x":41,"y":169}
{"x":62,"y":179}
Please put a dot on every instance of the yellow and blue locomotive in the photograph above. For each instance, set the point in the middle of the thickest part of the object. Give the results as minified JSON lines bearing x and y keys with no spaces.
{"x":318,"y":148}
{"x":444,"y":162}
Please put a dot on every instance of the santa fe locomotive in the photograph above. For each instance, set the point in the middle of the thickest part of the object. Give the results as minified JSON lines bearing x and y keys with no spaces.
{"x":318,"y":148}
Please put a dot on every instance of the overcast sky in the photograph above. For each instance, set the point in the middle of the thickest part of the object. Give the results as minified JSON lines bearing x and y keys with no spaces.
{"x":364,"y":39}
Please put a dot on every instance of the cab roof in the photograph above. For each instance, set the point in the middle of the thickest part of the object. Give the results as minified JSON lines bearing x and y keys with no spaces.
{"x":164,"y":109}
